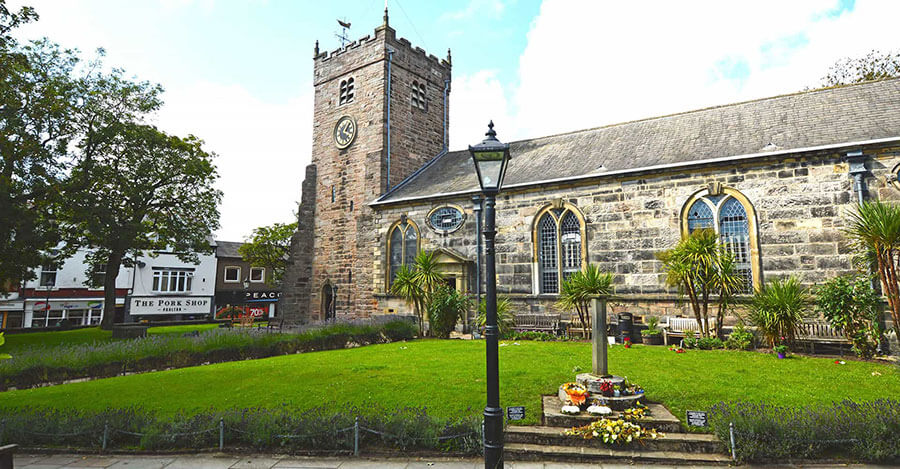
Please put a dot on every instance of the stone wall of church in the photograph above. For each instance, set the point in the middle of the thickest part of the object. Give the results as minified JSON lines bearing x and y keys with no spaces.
{"x":800,"y":203}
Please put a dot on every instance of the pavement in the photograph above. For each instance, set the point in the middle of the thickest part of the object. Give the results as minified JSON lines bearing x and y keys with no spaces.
{"x":225,"y":461}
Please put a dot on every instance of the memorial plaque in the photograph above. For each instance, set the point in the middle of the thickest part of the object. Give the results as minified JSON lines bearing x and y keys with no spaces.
{"x":697,"y":418}
{"x":515,"y":413}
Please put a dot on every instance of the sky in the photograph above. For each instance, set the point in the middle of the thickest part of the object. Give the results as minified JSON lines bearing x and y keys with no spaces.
{"x":238,"y":73}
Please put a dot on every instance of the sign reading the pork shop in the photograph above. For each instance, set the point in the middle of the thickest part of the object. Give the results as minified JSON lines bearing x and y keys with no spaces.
{"x":170,"y":305}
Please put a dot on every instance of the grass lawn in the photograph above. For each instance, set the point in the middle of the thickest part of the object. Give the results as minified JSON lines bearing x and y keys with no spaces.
{"x":447,"y":377}
{"x":83,"y":336}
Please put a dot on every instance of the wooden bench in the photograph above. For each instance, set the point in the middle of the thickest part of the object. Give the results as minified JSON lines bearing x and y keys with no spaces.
{"x":275,"y":324}
{"x":244,"y":321}
{"x":6,"y":456}
{"x":681,"y":327}
{"x":537,"y":323}
{"x":813,"y":331}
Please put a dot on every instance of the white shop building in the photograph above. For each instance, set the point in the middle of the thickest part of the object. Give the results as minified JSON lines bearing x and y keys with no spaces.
{"x":167,"y":288}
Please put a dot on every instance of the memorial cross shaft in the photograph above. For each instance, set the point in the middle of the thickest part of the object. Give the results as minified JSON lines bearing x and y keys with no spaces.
{"x":599,"y":343}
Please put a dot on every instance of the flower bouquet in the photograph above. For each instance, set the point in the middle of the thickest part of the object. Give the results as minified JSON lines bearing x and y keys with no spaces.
{"x":576,"y":393}
{"x":627,"y":342}
{"x":638,"y":412}
{"x":606,"y":388}
{"x":597,"y":409}
{"x":618,"y":432}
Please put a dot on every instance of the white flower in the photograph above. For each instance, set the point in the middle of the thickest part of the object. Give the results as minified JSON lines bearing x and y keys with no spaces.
{"x":571,"y":409}
{"x":599,"y":410}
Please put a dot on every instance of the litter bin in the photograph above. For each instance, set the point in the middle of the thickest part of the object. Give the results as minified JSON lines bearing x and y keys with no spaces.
{"x":625,"y":327}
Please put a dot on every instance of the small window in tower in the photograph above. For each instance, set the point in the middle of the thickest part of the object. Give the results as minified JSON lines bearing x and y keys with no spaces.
{"x":351,"y":205}
{"x":346,"y":95}
{"x":332,"y":193}
{"x":418,"y":95}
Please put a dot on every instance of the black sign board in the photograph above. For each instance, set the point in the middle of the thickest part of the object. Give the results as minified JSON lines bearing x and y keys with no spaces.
{"x":515,"y":413}
{"x":697,"y":418}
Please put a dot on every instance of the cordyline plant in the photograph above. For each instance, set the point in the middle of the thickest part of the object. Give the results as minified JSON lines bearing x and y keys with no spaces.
{"x":577,"y":290}
{"x":417,"y":283}
{"x":700,"y":267}
{"x":874,"y":229}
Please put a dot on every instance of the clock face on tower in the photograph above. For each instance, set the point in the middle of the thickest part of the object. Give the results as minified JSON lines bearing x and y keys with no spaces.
{"x":344,"y":132}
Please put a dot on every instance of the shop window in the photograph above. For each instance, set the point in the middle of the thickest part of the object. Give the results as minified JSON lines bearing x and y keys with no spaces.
{"x":172,"y":281}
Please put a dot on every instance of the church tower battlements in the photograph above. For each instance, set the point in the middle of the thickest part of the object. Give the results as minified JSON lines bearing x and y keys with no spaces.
{"x":380,"y":113}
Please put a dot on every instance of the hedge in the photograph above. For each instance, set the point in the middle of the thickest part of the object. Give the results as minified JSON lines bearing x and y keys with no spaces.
{"x":863,"y":431}
{"x":47,"y":365}
{"x":280,"y":430}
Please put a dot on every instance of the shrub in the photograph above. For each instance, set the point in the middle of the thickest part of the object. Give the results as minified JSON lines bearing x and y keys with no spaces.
{"x":506,"y":320}
{"x":532,"y":335}
{"x":849,"y":303}
{"x":865,"y":431}
{"x":652,"y":327}
{"x":446,"y":307}
{"x":740,"y":338}
{"x":704,"y":343}
{"x":778,"y":309}
{"x":580,"y":287}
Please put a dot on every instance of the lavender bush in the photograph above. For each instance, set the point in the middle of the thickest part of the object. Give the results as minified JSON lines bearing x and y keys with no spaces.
{"x":255,"y":429}
{"x":43,"y":365}
{"x":864,"y":431}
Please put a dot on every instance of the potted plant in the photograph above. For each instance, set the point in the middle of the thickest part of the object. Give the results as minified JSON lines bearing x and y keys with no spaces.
{"x":781,"y":350}
{"x":606,"y":388}
{"x":652,"y":335}
{"x":627,"y":342}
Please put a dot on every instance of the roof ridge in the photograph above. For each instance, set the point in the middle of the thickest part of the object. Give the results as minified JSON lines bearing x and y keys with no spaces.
{"x":708,"y":108}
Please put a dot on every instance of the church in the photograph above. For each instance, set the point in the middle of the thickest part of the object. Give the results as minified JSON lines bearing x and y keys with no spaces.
{"x":773,"y":177}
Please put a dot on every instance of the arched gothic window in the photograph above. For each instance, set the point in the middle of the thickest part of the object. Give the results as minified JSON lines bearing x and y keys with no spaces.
{"x":559,"y":246}
{"x":403,"y":245}
{"x":731,"y":216}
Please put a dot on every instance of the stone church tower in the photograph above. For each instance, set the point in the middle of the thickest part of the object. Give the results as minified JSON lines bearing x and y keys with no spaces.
{"x":380,"y":114}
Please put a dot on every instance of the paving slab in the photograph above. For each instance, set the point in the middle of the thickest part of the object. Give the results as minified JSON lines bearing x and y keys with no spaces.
{"x":94,"y":461}
{"x":201,"y":462}
{"x":255,"y":463}
{"x":143,"y":462}
{"x":373,"y":464}
{"x":307,"y":463}
{"x":58,"y":460}
{"x":444,"y":465}
{"x":26,"y":459}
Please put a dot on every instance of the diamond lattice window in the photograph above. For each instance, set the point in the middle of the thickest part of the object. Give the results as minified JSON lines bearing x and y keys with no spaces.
{"x":559,"y":236}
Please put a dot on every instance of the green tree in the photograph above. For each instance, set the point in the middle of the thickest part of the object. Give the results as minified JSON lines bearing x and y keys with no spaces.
{"x":269,"y":247}
{"x":141,"y":190}
{"x":38,"y":101}
{"x":850,"y":304}
{"x":876,"y":65}
{"x":874,"y":231}
{"x":778,"y":309}
{"x":3,"y":356}
{"x":700,"y":267}
{"x":577,"y":290}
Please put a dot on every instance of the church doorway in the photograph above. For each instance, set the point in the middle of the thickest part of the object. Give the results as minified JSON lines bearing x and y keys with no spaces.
{"x":450,"y":282}
{"x":328,"y":302}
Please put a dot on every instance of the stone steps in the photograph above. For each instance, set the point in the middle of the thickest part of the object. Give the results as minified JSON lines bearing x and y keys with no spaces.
{"x":554,"y":436}
{"x":547,"y":442}
{"x":589,"y":454}
{"x":661,"y":419}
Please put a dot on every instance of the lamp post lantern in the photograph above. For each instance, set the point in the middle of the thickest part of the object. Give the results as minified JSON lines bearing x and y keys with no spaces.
{"x":491,"y":158}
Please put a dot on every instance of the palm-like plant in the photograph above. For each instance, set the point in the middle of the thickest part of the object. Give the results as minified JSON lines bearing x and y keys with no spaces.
{"x":727,"y":283}
{"x":778,"y":309}
{"x":577,"y":290}
{"x":693,"y":266}
{"x":874,"y":229}
{"x":418,"y":283}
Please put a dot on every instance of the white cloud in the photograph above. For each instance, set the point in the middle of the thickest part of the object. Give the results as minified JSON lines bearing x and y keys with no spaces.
{"x":591,"y":63}
{"x":475,"y":99}
{"x":262,"y":149}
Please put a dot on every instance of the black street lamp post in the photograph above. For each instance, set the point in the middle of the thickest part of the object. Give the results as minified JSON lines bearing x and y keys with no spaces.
{"x":491,"y":158}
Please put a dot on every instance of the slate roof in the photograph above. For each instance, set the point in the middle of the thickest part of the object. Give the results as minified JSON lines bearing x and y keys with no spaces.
{"x":227,"y":249}
{"x":854,"y":113}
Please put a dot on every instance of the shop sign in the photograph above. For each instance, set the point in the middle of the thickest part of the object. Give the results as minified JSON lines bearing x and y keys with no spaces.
{"x":170,"y":305}
{"x":270,"y":295}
